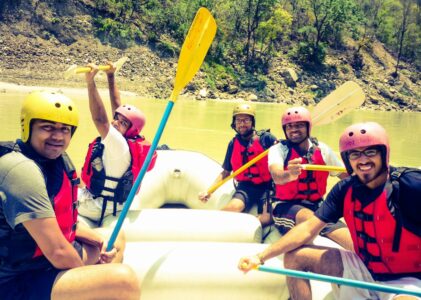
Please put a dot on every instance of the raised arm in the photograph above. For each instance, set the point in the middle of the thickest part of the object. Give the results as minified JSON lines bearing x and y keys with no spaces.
{"x":112,"y":88}
{"x":96,"y":106}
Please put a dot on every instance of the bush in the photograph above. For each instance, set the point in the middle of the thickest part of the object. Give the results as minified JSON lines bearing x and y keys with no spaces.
{"x":116,"y":33}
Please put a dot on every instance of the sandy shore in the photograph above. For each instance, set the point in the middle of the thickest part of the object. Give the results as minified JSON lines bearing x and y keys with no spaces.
{"x":6,"y":87}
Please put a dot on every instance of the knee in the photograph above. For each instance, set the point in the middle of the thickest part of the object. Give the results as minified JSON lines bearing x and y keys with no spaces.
{"x":235,"y":205}
{"x":125,"y":280}
{"x":293,"y":260}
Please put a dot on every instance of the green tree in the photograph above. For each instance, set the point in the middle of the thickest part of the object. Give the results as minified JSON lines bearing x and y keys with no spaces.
{"x":329,"y":18}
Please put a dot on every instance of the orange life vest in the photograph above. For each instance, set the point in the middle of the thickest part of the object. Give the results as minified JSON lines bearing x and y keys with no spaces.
{"x":257,"y":173}
{"x":21,"y":247}
{"x":374,"y":230}
{"x":310,"y":185}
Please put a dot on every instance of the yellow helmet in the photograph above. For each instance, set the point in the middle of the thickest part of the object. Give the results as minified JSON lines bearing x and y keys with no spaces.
{"x":245,"y":109}
{"x":47,"y":106}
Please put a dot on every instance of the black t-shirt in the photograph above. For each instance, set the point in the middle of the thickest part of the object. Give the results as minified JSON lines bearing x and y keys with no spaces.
{"x":409,"y":199}
{"x":266,"y":140}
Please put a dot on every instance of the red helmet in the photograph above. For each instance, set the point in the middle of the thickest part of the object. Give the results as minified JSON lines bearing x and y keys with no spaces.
{"x":296,"y":114}
{"x":364,"y":135}
{"x":135,"y":116}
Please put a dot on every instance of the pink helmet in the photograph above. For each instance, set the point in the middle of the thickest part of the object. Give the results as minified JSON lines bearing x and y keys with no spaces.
{"x":135,"y":116}
{"x":364,"y":135}
{"x":296,"y":114}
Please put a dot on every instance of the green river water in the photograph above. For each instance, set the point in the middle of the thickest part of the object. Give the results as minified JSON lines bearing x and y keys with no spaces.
{"x":205,"y":125}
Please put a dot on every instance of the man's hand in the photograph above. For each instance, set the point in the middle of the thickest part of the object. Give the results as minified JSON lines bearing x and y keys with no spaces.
{"x":89,"y":76}
{"x":294,"y":168}
{"x":112,"y":69}
{"x":107,"y":257}
{"x":248,"y":263}
{"x":204,"y":196}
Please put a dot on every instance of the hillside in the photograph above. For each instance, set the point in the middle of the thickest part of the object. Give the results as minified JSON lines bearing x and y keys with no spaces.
{"x":39,"y":41}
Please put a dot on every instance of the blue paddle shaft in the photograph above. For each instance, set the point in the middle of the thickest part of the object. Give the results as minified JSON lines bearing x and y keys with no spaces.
{"x":343,"y":281}
{"x":139,"y":178}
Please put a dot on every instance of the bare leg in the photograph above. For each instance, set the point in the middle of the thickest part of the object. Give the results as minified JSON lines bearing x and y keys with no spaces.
{"x":302,"y":215}
{"x":321,"y":260}
{"x":107,"y":281}
{"x":236,"y":205}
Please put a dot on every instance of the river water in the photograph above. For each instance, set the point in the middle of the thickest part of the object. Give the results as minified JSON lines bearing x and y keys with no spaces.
{"x":205,"y":125}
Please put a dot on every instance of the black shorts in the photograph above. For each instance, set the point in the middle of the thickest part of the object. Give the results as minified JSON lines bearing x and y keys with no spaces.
{"x":252,"y":194}
{"x":33,"y":285}
{"x":284,"y":214}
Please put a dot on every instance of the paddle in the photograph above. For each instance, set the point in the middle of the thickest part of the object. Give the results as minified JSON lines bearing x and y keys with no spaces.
{"x":74,"y":69}
{"x":323,"y":168}
{"x":338,"y":103}
{"x":196,"y":45}
{"x":342,"y":281}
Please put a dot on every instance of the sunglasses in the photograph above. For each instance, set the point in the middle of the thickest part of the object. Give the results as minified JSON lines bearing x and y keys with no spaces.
{"x":371,"y":152}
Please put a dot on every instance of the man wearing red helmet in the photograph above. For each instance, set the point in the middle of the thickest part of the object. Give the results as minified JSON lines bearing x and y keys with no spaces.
{"x":115,"y":158}
{"x":298,"y":192}
{"x":253,"y":186}
{"x":381,"y":206}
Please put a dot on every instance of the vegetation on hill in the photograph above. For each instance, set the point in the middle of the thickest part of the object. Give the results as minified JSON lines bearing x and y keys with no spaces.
{"x":272,"y":50}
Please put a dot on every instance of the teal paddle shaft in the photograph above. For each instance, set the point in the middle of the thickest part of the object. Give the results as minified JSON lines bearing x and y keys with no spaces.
{"x":343,"y":281}
{"x":139,"y":178}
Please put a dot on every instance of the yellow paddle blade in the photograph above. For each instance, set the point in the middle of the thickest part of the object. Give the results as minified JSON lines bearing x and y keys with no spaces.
{"x":194,"y":49}
{"x":323,"y":168}
{"x":338,"y":103}
{"x":74,"y":69}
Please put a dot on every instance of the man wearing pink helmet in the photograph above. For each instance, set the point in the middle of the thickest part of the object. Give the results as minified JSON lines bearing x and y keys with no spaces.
{"x":115,"y":158}
{"x":298,"y":193}
{"x":381,"y":206}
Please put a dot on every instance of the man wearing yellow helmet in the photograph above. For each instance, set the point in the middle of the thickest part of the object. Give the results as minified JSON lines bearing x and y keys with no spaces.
{"x":39,"y":234}
{"x":115,"y":158}
{"x":253,"y":186}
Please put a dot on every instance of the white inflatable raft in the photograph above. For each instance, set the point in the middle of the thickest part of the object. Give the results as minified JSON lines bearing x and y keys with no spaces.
{"x":193,"y":253}
{"x":177,"y":178}
{"x":171,"y":224}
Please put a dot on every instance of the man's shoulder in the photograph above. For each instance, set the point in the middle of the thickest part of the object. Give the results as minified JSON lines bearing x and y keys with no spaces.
{"x":13,"y":158}
{"x":16,"y":164}
{"x":407,"y":177}
{"x":323,"y":146}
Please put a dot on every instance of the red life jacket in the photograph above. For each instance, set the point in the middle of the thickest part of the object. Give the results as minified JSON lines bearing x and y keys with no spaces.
{"x":257,"y":173}
{"x":65,"y":203}
{"x":310,"y":185}
{"x":374,"y":230}
{"x":93,"y":172}
{"x":20,"y":246}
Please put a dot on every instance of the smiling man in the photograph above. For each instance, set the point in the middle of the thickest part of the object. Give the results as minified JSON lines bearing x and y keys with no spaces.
{"x":44,"y":252}
{"x":298,"y":192}
{"x":381,"y":206}
{"x":253,"y":186}
{"x":115,"y":158}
